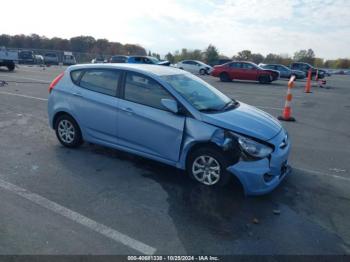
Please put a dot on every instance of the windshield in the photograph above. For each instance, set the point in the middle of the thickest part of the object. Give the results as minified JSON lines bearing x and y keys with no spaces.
{"x":198,"y":93}
{"x":154,"y":60}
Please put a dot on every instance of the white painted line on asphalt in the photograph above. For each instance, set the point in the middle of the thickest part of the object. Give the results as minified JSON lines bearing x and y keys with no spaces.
{"x":78,"y":218}
{"x":26,"y":96}
{"x":319,"y":173}
{"x":27,"y":78}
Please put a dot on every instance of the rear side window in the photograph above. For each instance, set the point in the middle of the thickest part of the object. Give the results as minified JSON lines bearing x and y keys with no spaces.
{"x":144,"y":90}
{"x":235,"y":65}
{"x":296,"y":66}
{"x":51,"y":55}
{"x":117,"y":59}
{"x":247,"y":66}
{"x":75,"y":75}
{"x":138,"y":59}
{"x":101,"y":81}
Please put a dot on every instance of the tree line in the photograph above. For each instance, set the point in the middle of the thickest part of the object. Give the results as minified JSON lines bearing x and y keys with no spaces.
{"x":211,"y":54}
{"x":80,"y":44}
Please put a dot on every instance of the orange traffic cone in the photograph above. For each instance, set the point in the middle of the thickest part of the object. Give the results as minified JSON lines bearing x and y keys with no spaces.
{"x":287,"y":111}
{"x":308,"y":83}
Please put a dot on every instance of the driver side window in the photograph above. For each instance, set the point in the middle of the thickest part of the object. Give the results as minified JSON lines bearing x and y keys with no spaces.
{"x":144,"y":90}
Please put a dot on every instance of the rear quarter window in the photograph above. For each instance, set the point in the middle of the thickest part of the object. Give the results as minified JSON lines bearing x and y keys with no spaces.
{"x":75,"y":76}
{"x":101,"y":81}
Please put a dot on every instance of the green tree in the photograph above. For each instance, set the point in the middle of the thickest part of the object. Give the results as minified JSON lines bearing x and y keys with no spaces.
{"x":5,"y":40}
{"x":257,"y":58}
{"x":307,"y":56}
{"x":156,"y":55}
{"x":82,"y":43}
{"x":342,"y":63}
{"x":318,"y":62}
{"x":244,"y":55}
{"x":211,"y":54}
{"x":170,"y":58}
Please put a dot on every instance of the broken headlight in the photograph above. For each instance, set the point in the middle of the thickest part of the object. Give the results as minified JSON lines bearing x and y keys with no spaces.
{"x":253,"y":148}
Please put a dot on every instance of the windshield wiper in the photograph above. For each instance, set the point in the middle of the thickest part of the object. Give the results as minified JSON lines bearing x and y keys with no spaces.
{"x":208,"y":110}
{"x":230,"y":104}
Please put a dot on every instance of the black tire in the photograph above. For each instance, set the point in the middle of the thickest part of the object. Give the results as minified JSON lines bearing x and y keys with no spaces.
{"x":206,"y":152}
{"x":224,"y":77}
{"x":11,"y":67}
{"x":77,"y":139}
{"x":181,"y":68}
{"x":202,"y":72}
{"x":264,"y":79}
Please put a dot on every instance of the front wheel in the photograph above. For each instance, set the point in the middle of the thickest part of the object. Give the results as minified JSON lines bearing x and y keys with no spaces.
{"x":11,"y":67}
{"x":208,"y":166}
{"x":68,"y":131}
{"x":202,"y":72}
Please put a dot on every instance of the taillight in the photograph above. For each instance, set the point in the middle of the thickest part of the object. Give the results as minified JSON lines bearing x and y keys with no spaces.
{"x":55,"y":81}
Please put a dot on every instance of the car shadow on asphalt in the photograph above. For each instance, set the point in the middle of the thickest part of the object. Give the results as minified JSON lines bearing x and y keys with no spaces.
{"x":199,"y":212}
{"x":220,"y":220}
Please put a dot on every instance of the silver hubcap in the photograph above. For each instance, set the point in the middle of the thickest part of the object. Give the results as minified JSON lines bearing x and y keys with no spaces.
{"x":206,"y":170}
{"x":66,"y":131}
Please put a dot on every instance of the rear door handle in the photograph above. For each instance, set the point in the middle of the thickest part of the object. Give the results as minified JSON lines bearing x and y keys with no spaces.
{"x":128,"y":110}
{"x":78,"y":94}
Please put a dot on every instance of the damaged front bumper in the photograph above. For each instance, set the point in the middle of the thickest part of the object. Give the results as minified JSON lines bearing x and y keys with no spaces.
{"x":262,"y":176}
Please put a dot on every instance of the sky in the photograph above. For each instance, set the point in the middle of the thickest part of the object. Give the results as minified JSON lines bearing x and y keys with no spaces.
{"x":262,"y":26}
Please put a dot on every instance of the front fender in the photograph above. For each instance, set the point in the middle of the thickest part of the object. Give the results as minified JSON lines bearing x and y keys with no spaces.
{"x":198,"y":132}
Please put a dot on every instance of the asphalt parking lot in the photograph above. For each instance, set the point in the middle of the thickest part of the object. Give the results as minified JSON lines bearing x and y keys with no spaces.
{"x":94,"y":200}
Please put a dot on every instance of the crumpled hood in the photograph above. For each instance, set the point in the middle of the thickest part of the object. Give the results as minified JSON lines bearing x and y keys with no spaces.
{"x":247,"y":120}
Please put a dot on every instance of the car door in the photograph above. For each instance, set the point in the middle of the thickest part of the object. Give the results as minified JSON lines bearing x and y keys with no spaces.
{"x":284,"y":72}
{"x":249,"y":72}
{"x":235,"y":70}
{"x":189,"y":66}
{"x":95,"y":103}
{"x":195,"y":67}
{"x":144,"y":125}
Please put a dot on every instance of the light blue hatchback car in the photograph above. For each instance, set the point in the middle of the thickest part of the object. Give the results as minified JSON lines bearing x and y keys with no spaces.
{"x":171,"y":116}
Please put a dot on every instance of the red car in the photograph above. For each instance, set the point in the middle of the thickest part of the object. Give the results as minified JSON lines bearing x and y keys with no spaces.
{"x":244,"y":71}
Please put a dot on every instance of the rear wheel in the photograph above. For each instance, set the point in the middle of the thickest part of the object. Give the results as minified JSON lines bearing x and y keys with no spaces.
{"x":207,"y":166}
{"x":224,"y":77}
{"x":264,"y":79}
{"x":11,"y":67}
{"x":68,"y":131}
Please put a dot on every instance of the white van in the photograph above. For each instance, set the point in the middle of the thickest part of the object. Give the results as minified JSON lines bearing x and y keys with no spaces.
{"x":68,"y":58}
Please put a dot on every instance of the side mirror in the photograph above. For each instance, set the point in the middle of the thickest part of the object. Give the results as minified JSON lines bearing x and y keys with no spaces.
{"x":170,"y":104}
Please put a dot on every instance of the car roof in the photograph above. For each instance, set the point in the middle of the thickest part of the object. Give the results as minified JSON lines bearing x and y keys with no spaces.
{"x":157,"y":70}
{"x":276,"y":65}
{"x":192,"y":60}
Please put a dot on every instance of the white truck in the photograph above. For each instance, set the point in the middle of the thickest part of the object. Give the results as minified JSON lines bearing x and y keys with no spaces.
{"x":8,"y":58}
